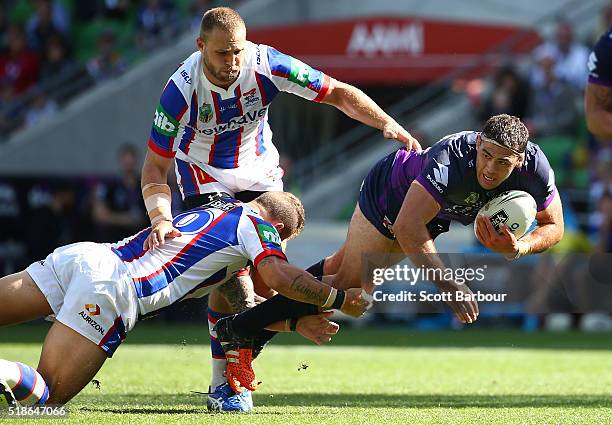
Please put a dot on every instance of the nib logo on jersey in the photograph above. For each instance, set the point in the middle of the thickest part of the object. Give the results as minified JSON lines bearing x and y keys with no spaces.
{"x":92,"y":310}
{"x":165,"y":123}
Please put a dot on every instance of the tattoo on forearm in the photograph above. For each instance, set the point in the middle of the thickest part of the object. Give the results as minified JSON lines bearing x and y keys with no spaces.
{"x":238,"y":292}
{"x":314,"y":296}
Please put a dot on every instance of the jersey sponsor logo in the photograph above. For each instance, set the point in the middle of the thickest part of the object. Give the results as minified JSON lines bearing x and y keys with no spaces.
{"x":258,"y":55}
{"x":592,"y":64}
{"x":165,"y":123}
{"x":186,"y":76}
{"x":299,"y":72}
{"x":250,"y":97}
{"x":434,"y":183}
{"x":220,"y":205}
{"x":205,"y":112}
{"x":387,"y":38}
{"x":92,"y":309}
{"x":193,"y":223}
{"x":472,"y":198}
{"x":388,"y":225}
{"x":268,"y":234}
{"x":92,"y":322}
{"x":234,"y":123}
{"x":441,"y":174}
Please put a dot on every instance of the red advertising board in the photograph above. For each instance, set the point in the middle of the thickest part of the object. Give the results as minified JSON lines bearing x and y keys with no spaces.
{"x":395,"y":50}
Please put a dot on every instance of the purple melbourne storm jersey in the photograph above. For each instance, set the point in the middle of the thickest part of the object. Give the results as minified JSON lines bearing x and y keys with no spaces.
{"x":600,"y":61}
{"x":447,"y":170}
{"x":217,"y":240}
{"x":219,"y":137}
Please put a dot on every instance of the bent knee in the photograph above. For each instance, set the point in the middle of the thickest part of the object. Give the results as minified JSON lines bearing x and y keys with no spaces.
{"x":347,"y":278}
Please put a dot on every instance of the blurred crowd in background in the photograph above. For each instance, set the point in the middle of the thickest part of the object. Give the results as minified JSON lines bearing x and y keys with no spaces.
{"x":547,"y":93}
{"x":50,"y":50}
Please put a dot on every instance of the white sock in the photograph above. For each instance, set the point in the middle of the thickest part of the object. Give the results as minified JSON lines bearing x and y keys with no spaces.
{"x":25,"y":382}
{"x":218,"y":362}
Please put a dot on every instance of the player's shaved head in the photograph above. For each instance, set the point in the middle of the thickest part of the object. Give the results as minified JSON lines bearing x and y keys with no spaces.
{"x":507,"y":131}
{"x":286,"y":208}
{"x":222,"y":18}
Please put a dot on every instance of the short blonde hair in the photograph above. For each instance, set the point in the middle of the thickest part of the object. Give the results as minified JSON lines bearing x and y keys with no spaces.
{"x":224,"y":18}
{"x":287,"y":208}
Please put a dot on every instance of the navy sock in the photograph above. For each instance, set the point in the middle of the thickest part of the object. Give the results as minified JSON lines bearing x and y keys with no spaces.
{"x":261,"y":339}
{"x":249,"y":323}
{"x":317,"y":268}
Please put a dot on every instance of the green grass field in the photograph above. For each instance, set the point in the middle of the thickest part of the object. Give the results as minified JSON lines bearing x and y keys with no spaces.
{"x":365,"y":376}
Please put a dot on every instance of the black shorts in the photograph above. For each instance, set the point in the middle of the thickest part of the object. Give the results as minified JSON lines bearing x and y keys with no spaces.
{"x":204,"y":198}
{"x":380,"y":206}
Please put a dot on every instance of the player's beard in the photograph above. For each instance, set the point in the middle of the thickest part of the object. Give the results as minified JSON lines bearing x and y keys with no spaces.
{"x":227,"y":77}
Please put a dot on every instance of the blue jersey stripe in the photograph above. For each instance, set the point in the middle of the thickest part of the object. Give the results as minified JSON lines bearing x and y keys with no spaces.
{"x":280,"y":64}
{"x":193,"y":112}
{"x":266,"y":87}
{"x":187,"y":178}
{"x":221,"y":233}
{"x":173,"y":101}
{"x":259,"y":139}
{"x":162,"y":141}
{"x":133,"y":249}
{"x":226,"y":144}
{"x":186,"y":139}
{"x":189,"y":133}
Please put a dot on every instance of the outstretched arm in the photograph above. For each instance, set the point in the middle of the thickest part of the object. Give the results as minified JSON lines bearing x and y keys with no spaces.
{"x":410,"y":228}
{"x":299,"y":285}
{"x":359,"y":106}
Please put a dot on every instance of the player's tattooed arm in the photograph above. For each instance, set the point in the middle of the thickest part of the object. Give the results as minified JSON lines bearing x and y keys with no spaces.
{"x":239,"y":293}
{"x":316,"y":295}
{"x":598,"y":104}
{"x":292,"y":282}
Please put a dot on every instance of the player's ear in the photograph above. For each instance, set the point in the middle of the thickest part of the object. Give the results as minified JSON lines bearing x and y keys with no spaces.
{"x":200,"y":43}
{"x":520,"y":161}
{"x":279,"y":226}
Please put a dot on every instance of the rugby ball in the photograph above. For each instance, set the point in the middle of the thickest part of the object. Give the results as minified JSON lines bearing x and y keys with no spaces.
{"x":515,"y":208}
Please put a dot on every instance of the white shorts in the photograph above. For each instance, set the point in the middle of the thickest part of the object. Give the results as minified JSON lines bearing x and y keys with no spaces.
{"x":89,"y":290}
{"x":262,"y":176}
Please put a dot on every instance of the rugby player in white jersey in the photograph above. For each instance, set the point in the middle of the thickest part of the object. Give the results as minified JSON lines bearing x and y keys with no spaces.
{"x":212,"y":119}
{"x":97,"y":291}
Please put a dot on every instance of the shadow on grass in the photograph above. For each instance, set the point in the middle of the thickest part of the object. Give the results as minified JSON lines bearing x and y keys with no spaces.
{"x":189,"y":334}
{"x":194,"y":404}
{"x":433,"y":401}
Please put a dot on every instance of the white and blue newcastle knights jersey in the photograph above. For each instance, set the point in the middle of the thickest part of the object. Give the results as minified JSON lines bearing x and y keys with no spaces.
{"x":217,"y":240}
{"x":214,"y":133}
